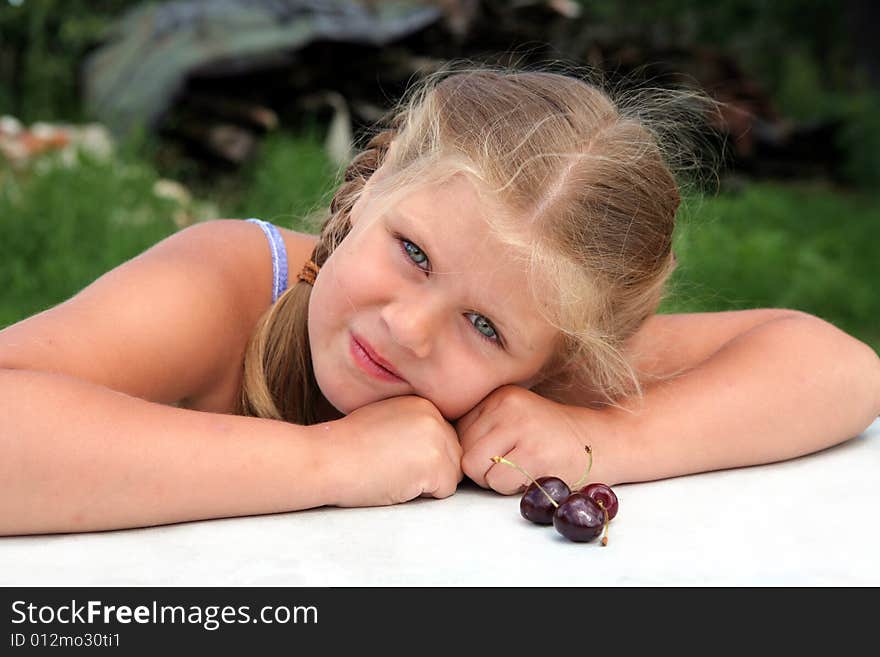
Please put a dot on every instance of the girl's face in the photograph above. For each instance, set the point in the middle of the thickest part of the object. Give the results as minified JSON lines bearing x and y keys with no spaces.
{"x":435,"y":296}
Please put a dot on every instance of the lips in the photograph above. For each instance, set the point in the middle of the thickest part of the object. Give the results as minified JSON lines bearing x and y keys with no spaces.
{"x":376,"y":358}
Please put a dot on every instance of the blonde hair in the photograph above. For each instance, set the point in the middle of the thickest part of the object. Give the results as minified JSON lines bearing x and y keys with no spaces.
{"x":589,"y":203}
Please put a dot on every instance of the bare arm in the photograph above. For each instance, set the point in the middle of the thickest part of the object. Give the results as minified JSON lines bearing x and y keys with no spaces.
{"x":86,"y":442}
{"x":785,"y":388}
{"x":75,"y":456}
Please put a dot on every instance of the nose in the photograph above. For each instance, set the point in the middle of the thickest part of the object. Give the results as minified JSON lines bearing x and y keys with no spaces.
{"x":413,"y":324}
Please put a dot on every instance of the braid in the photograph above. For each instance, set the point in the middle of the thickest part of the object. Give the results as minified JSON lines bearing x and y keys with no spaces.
{"x":364,"y":165}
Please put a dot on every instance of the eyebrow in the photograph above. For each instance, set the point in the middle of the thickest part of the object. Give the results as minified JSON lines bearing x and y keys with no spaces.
{"x":494,"y":316}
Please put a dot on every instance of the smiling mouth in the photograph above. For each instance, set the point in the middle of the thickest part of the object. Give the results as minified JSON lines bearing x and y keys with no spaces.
{"x":366,"y":363}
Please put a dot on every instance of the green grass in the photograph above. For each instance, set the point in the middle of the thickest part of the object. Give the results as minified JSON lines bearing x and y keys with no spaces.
{"x":64,"y":227}
{"x":292,"y":178}
{"x":772,"y":245}
{"x":785,"y":246}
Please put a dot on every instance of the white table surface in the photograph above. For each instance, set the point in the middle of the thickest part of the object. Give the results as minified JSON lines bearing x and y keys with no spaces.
{"x":811,"y":521}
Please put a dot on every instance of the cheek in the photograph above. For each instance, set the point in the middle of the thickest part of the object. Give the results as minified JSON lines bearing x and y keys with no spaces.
{"x":464,"y":384}
{"x":364,"y":263}
{"x":339,"y":279}
{"x":330,"y":306}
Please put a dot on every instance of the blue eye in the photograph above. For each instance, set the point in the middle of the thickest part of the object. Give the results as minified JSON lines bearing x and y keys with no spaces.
{"x":483,"y":323}
{"x":417,"y":257}
{"x":414,"y":252}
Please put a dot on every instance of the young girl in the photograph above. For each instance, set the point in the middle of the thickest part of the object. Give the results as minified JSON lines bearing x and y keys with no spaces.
{"x":486,"y":284}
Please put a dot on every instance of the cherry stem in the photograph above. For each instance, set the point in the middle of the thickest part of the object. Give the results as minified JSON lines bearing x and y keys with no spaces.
{"x":583,"y":479}
{"x":605,"y":512}
{"x":501,"y":459}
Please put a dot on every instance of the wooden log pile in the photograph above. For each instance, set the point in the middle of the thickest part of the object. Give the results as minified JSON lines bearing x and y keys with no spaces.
{"x":221,"y":116}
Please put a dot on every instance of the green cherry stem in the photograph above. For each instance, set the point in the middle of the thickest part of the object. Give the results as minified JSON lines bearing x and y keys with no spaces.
{"x":501,"y":459}
{"x":583,"y":479}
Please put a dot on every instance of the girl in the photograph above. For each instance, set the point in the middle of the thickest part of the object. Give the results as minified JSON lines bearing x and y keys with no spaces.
{"x":486,"y":284}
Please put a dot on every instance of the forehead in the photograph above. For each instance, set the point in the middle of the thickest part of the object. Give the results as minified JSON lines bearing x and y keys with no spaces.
{"x":455,"y":214}
{"x":451,"y":223}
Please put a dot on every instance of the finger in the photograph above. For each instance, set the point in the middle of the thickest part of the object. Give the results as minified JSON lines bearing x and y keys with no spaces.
{"x":476,"y":432}
{"x":483,"y":408}
{"x":466,"y":421}
{"x":444,"y":488}
{"x":507,"y":479}
{"x":453,"y":447}
{"x":453,"y":454}
{"x":445,"y":480}
{"x":477,"y":461}
{"x":481,"y":424}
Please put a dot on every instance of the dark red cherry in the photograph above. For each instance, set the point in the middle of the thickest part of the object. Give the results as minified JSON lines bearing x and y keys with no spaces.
{"x":602,"y":493}
{"x":579,"y":518}
{"x":536,"y":506}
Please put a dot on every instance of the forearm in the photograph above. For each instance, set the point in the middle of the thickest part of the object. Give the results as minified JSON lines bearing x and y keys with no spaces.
{"x":783,"y":389}
{"x":79,"y":457}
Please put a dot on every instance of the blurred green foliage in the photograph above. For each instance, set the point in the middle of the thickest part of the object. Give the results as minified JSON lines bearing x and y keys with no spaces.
{"x":63,"y":226}
{"x":801,"y":53}
{"x":763,"y":36}
{"x":42,"y":44}
{"x":861,"y":139}
{"x":797,"y":245}
{"x":291,"y":178}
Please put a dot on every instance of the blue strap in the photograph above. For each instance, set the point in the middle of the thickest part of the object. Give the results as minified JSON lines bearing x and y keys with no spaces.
{"x":279,"y":257}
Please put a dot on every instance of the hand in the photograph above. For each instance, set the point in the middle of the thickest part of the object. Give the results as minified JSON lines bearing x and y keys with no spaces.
{"x":542,"y":436}
{"x":392,"y":451}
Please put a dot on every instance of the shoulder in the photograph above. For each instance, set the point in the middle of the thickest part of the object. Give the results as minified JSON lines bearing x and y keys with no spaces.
{"x":239,"y":252}
{"x":152,"y":313}
{"x":241,"y":248}
{"x":670,"y":344}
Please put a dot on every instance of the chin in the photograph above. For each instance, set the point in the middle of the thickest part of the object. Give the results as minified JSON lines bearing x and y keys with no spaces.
{"x":342,"y":393}
{"x":334,"y":393}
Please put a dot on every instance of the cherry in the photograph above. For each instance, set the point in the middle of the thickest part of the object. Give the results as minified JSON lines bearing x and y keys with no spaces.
{"x":537,"y":503}
{"x":579,"y":518}
{"x":601,"y":492}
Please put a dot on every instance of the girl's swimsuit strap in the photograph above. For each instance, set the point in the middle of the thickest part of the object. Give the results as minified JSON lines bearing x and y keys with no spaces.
{"x":279,"y":256}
